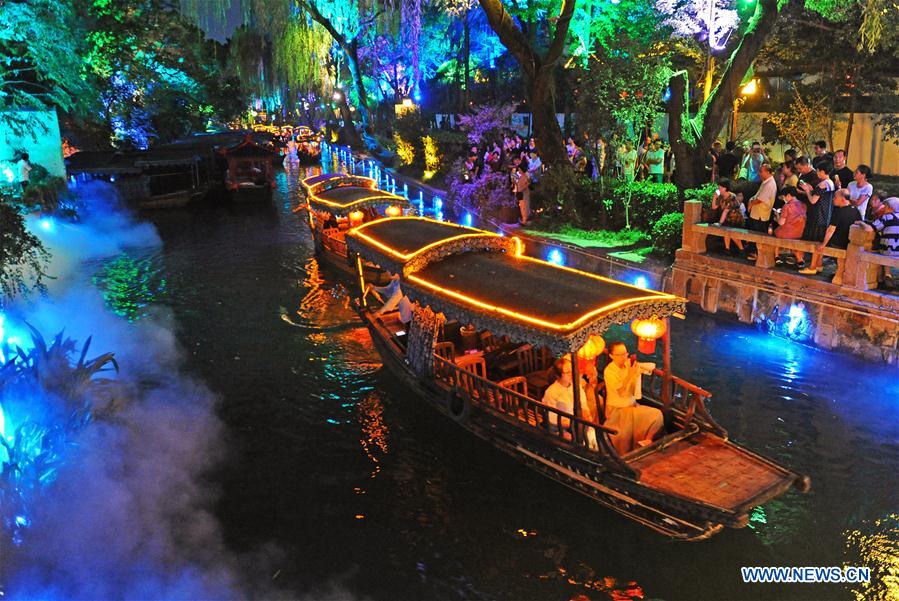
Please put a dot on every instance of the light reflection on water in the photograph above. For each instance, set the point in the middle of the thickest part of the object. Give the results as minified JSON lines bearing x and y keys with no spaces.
{"x":357,"y":479}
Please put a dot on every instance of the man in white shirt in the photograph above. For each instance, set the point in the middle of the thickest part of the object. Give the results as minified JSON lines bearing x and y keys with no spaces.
{"x":24,"y":166}
{"x":637,"y":424}
{"x":655,"y":158}
{"x":860,"y":190}
{"x":761,"y":204}
{"x":560,"y":395}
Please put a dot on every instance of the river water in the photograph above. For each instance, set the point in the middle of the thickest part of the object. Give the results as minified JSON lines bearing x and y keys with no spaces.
{"x":365,"y":491}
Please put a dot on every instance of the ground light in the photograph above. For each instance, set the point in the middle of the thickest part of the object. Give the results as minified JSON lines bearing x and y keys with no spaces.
{"x":641,"y":282}
{"x":556,"y":257}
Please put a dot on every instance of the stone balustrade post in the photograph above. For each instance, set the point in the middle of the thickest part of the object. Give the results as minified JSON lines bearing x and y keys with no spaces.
{"x":692,"y":241}
{"x":856,"y":273}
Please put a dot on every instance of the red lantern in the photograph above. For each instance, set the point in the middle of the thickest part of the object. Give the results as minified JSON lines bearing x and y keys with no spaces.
{"x":647,"y":332}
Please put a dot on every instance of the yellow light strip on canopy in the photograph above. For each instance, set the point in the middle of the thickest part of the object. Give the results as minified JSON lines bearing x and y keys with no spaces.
{"x":357,"y":231}
{"x":387,"y":197}
{"x":529,"y":318}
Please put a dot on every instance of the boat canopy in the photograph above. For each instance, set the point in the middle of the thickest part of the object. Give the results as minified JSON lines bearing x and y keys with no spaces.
{"x":405,"y":244}
{"x":340,"y":194}
{"x":481,"y":278}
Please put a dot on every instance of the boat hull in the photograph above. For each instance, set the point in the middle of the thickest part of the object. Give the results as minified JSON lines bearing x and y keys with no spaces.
{"x":566,"y":466}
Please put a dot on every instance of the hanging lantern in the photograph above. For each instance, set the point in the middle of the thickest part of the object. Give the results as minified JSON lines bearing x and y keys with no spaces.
{"x":594,"y":346}
{"x":393,"y":211}
{"x":648,"y":331}
{"x":356,"y":218}
{"x":587,"y":354}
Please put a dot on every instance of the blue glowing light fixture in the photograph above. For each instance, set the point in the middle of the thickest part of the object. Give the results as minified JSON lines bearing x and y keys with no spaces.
{"x":797,"y":315}
{"x":641,"y":282}
{"x":47,"y":224}
{"x":556,"y":257}
{"x":438,"y":203}
{"x":466,"y":220}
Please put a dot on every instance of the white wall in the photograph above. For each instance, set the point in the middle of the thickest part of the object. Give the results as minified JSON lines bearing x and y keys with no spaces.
{"x":35,"y":132}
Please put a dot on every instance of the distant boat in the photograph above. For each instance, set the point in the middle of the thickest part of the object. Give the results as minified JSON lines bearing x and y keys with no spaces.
{"x":250,"y":172}
{"x":336,"y":203}
{"x":176,"y":174}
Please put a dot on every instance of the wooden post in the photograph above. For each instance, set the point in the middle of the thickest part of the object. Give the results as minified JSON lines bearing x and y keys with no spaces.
{"x":576,"y":383}
{"x":692,"y":241}
{"x":856,"y":273}
{"x":666,"y":364}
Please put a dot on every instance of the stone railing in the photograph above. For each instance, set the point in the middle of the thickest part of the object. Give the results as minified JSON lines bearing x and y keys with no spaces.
{"x":857,"y":266}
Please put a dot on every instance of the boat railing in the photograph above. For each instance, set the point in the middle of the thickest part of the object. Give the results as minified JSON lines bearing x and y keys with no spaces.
{"x":688,"y":399}
{"x":560,"y":425}
{"x":333,"y":240}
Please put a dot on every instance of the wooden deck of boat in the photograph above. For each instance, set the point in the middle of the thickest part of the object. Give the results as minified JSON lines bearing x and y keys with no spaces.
{"x":705,"y":468}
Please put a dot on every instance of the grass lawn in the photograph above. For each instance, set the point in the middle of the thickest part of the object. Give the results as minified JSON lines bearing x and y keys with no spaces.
{"x":591,"y":238}
{"x":637,"y":255}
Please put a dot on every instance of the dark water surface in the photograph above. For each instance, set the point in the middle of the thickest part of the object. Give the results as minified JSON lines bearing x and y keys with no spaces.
{"x":363,"y":487}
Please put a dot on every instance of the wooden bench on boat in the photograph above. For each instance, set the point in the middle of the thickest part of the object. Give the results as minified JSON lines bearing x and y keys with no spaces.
{"x":688,"y":484}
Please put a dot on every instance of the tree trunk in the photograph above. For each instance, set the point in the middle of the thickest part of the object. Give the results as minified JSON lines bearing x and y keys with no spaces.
{"x":538,"y":73}
{"x":352,"y":136}
{"x":548,"y":134}
{"x":849,"y":125}
{"x":691,"y":137}
{"x":352,"y":54}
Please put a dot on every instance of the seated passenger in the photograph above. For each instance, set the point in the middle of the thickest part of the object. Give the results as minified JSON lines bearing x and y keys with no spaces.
{"x":637,"y":425}
{"x":560,"y":395}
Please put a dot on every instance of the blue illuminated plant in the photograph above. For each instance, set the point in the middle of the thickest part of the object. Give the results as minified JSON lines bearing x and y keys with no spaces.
{"x":46,"y":397}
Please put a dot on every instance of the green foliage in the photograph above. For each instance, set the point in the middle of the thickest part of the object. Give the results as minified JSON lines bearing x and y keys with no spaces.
{"x":649,"y":201}
{"x":703,"y":193}
{"x":592,"y":238}
{"x":64,"y":395}
{"x":666,"y":234}
{"x":22,"y":256}
{"x":155,"y":73}
{"x":627,"y":71}
{"x":567,"y":194}
{"x":40,"y":50}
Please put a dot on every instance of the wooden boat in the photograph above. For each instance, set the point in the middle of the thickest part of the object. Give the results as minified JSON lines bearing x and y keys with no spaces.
{"x":688,"y":484}
{"x":250,"y":175}
{"x":337,"y":202}
{"x":308,"y":142}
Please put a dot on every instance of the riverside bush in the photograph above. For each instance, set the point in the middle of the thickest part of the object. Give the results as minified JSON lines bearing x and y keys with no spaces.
{"x":666,"y":234}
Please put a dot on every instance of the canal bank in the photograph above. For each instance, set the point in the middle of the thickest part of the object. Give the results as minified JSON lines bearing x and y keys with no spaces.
{"x":852,"y":318}
{"x":849,"y":316}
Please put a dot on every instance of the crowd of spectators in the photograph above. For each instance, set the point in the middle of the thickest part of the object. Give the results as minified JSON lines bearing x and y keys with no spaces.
{"x":816,"y":199}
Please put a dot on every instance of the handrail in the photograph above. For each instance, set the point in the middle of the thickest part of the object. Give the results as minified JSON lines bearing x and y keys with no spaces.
{"x":878,"y":259}
{"x":857,"y":266}
{"x":485,"y":384}
{"x":492,"y":397}
{"x":739,"y":233}
{"x":693,"y":398}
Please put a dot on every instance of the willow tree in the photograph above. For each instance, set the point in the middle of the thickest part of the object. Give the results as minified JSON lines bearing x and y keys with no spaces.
{"x":538,"y":67}
{"x":303,"y":63}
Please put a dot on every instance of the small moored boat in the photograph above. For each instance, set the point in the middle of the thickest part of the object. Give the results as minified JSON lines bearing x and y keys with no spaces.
{"x":486,"y":325}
